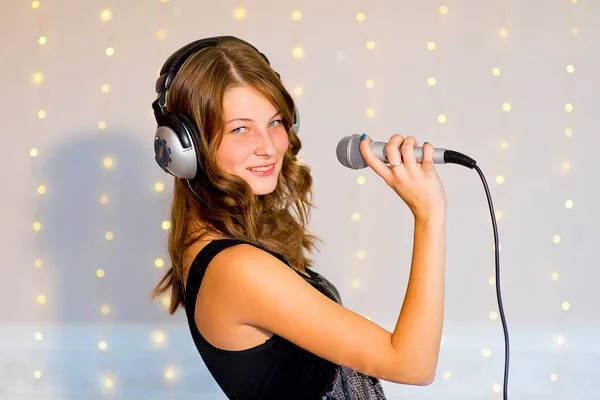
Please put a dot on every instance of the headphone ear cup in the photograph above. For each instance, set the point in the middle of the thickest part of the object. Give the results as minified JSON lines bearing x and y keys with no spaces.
{"x":175,"y":147}
{"x":296,"y":122}
{"x":194,"y":135}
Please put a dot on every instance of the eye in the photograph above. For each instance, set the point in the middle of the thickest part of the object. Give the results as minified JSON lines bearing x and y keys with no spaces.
{"x":275,"y":123}
{"x":239,"y":130}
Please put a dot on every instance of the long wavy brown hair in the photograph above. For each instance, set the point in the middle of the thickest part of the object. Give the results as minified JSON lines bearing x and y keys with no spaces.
{"x":276,"y":221}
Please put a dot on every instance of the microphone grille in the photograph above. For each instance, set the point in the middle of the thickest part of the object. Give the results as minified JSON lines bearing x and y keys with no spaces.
{"x":348,"y":152}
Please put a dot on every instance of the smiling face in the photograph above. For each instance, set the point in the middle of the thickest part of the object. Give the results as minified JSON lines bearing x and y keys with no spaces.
{"x":255,"y":139}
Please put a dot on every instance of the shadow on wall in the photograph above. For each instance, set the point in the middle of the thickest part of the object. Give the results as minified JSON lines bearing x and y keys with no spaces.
{"x":78,"y":222}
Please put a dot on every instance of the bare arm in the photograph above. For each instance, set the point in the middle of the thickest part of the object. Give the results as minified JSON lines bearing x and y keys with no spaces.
{"x":419,"y":328}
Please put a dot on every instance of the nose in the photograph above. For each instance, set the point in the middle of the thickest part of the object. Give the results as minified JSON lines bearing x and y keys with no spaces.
{"x":264,"y":144}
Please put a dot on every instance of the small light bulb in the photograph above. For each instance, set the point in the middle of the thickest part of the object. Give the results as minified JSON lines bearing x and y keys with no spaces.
{"x":497,"y":387}
{"x":570,"y":68}
{"x":160,"y":34}
{"x":503,"y":33}
{"x":110,"y":51}
{"x":370,"y":45}
{"x":41,"y":299}
{"x":37,"y":226}
{"x":35,"y":4}
{"x":104,"y":199}
{"x":38,"y":336}
{"x":105,"y":310}
{"x":356,"y":283}
{"x":431,"y":46}
{"x":493,"y":315}
{"x":102,"y":125}
{"x":107,"y":162}
{"x":568,"y":107}
{"x":575,"y":31}
{"x":506,"y":107}
{"x":239,"y":14}
{"x":298,"y":52}
{"x":108,"y":383}
{"x":37,"y":374}
{"x":492,"y":281}
{"x":105,"y":88}
{"x":443,"y":10}
{"x":109,"y":236}
{"x":166,"y":225}
{"x":569,"y":204}
{"x":33,"y":152}
{"x":504,"y":144}
{"x":38,"y":78}
{"x":38,"y":263}
{"x":560,"y":340}
{"x":159,"y":186}
{"x":554,"y":276}
{"x":360,"y":17}
{"x":296,"y":15}
{"x":106,"y":15}
{"x":42,"y":40}
{"x":431,"y":81}
{"x":486,"y":353}
{"x":441,"y":119}
{"x":566,"y":166}
{"x":447,"y":375}
{"x":41,"y":189}
{"x":500,"y":179}
{"x":496,"y":72}
{"x":159,"y":263}
{"x":103,"y":345}
{"x":360,"y":254}
{"x":566,"y":306}
{"x":355,"y":217}
{"x":100,"y":273}
{"x":370,"y":112}
{"x":370,"y":84}
{"x":568,"y":132}
{"x":556,"y":239}
{"x":553,"y":377}
{"x":169,"y":374}
{"x":360,"y":180}
{"x":42,"y":114}
{"x":298,"y":90}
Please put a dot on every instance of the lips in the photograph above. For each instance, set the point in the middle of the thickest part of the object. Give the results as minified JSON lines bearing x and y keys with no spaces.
{"x":260,"y":168}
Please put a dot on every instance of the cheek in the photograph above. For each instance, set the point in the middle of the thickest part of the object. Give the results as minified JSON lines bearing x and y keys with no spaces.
{"x":229,"y":156}
{"x":281,"y":143}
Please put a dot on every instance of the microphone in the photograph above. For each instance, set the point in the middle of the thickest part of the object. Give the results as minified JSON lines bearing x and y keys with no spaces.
{"x":349,"y":155}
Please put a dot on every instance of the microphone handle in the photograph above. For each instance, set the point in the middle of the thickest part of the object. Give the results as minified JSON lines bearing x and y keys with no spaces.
{"x":379,"y":150}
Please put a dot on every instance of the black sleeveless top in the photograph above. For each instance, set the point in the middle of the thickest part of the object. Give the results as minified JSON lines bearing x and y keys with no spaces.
{"x":276,"y":369}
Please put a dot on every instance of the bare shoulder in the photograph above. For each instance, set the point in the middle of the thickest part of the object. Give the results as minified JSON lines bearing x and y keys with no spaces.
{"x":267,"y":294}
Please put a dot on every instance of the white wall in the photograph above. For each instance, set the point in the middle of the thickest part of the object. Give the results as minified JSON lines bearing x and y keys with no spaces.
{"x":532,"y":58}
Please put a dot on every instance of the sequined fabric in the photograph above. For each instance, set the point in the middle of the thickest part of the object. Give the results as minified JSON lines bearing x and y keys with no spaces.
{"x":348,"y":384}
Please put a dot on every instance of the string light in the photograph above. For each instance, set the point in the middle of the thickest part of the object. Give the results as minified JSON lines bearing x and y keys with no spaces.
{"x":100,"y":273}
{"x":102,"y":125}
{"x":560,"y":340}
{"x":360,"y":17}
{"x":38,"y":263}
{"x":169,"y":374}
{"x":553,"y":377}
{"x":441,"y":119}
{"x":41,"y":299}
{"x":38,"y":336}
{"x":110,"y":51}
{"x":105,"y":88}
{"x":41,"y":189}
{"x":431,"y":46}
{"x":106,"y":15}
{"x":104,"y":199}
{"x":159,"y":186}
{"x":356,"y":283}
{"x":570,"y":68}
{"x":575,"y":31}
{"x":370,"y":112}
{"x":42,"y":40}
{"x":496,"y":72}
{"x":506,"y":107}
{"x":107,"y":162}
{"x":493,"y":315}
{"x":554,"y":276}
{"x":431,"y":81}
{"x":370,"y":84}
{"x":503,"y":33}
{"x":355,"y":217}
{"x":160,"y":34}
{"x":41,"y":114}
{"x":370,"y":45}
{"x":102,"y":345}
{"x":447,"y":375}
{"x":35,"y":4}
{"x":166,"y":225}
{"x":496,"y":388}
{"x":360,"y":180}
{"x":566,"y":306}
{"x":504,"y":144}
{"x":105,"y":310}
{"x":360,"y":254}
{"x":37,"y":374}
{"x":568,"y":107}
{"x":486,"y":353}
{"x":37,"y":226}
{"x":37,"y":78}
{"x":109,"y":236}
{"x":556,"y":239}
{"x":159,"y":263}
{"x":298,"y":90}
{"x":569,"y":204}
{"x":296,"y":15}
{"x":500,"y":179}
{"x":108,"y":383}
{"x":239,"y":14}
{"x":298,"y":52}
{"x":443,"y":10}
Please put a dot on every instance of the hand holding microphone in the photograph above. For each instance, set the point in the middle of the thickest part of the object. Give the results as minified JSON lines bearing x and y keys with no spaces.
{"x":416,"y":183}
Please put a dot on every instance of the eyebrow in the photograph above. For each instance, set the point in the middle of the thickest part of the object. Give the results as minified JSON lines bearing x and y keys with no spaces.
{"x":250,"y":120}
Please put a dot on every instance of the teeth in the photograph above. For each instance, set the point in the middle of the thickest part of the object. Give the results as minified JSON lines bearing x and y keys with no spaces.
{"x":261,"y":169}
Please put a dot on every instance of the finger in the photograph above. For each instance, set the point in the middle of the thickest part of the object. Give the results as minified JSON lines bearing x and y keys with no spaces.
{"x":372,"y":161}
{"x":408,"y":153}
{"x":427,"y":163}
{"x":392,"y":150}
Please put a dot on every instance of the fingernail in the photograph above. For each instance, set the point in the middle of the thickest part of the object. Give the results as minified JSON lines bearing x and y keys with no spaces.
{"x":363,"y":137}
{"x":425,"y":143}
